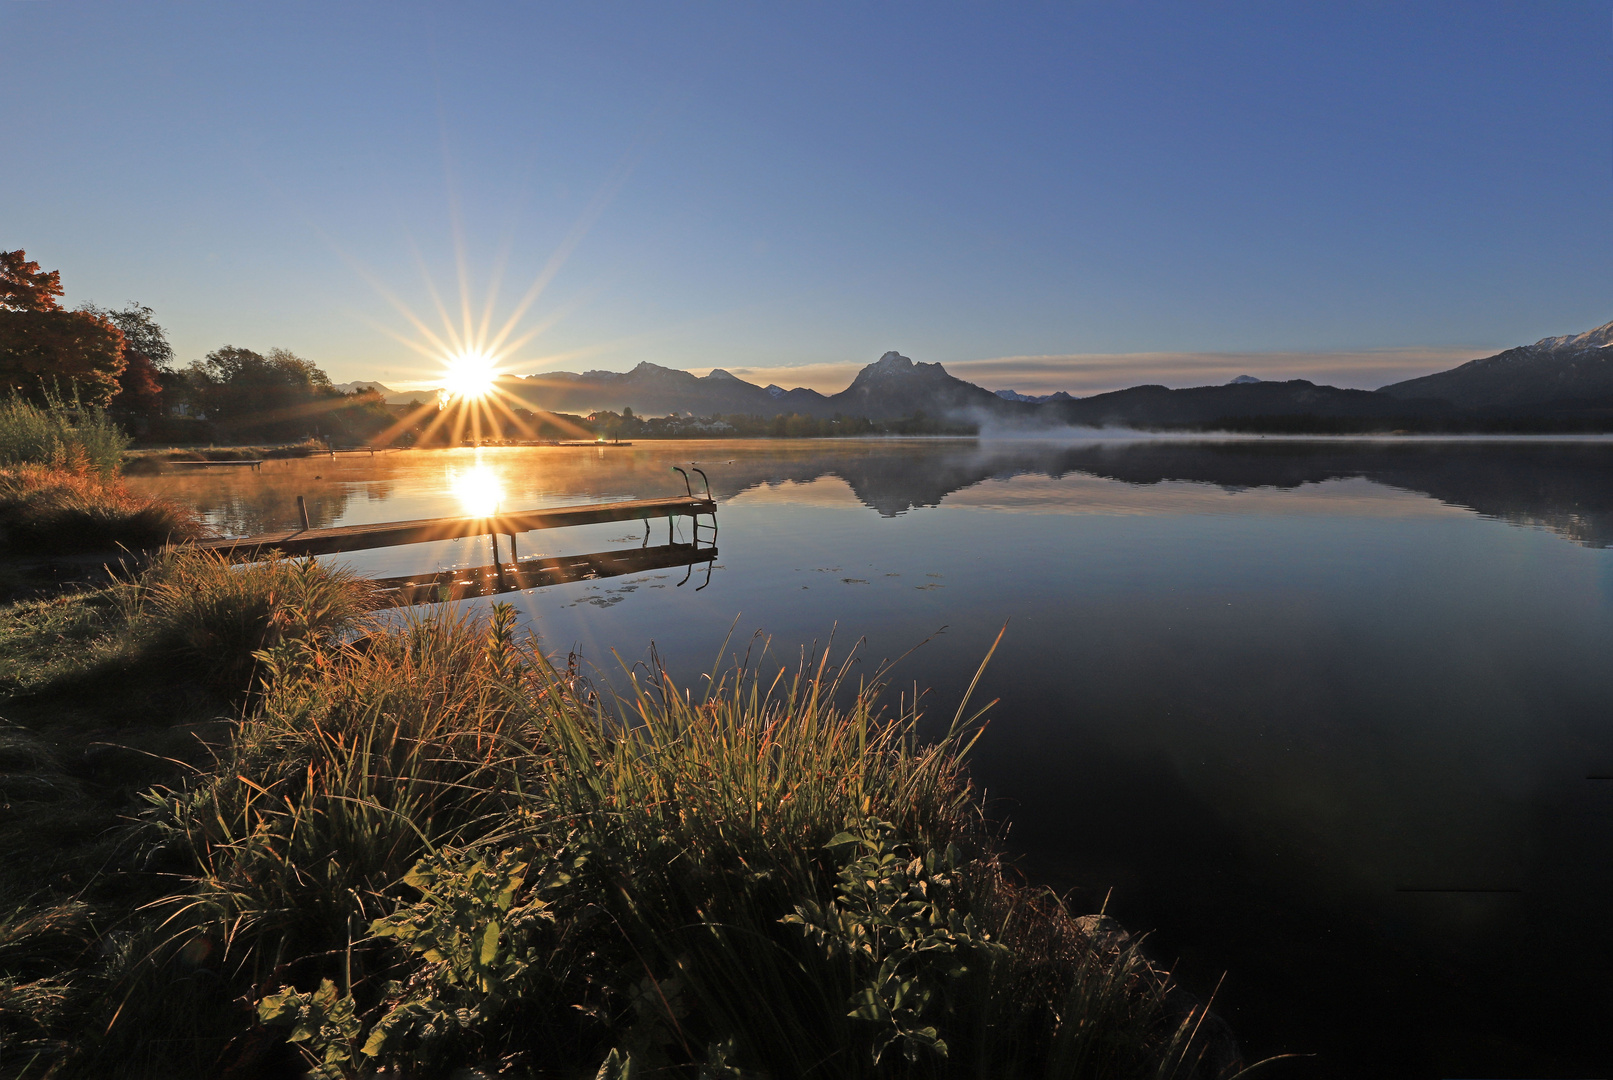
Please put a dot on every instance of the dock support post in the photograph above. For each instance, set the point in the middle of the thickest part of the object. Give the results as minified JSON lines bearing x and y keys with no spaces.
{"x":302,"y":511}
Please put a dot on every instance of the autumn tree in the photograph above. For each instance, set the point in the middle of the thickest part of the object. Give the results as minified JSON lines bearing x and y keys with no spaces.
{"x":24,"y":287}
{"x":148,"y":358}
{"x":45,"y":350}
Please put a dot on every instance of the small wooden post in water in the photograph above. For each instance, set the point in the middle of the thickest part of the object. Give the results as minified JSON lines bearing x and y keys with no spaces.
{"x":302,"y":511}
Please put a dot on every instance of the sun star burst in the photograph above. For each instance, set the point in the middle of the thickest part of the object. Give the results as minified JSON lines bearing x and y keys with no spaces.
{"x":469,"y":375}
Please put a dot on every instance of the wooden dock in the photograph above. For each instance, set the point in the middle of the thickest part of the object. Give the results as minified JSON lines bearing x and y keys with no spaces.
{"x":345,"y":538}
{"x":250,"y":463}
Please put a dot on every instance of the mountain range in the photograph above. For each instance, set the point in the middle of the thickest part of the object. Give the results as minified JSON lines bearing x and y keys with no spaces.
{"x":1569,"y":370}
{"x":1562,"y":380}
{"x":393,"y":397}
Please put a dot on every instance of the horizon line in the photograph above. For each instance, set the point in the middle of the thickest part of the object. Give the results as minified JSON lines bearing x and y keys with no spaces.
{"x":1089,"y":374}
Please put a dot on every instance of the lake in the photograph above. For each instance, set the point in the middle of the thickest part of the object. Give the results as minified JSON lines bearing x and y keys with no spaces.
{"x":1331,"y":718}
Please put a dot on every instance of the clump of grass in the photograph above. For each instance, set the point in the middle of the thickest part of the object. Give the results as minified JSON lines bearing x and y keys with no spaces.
{"x":306,"y":448}
{"x":433,"y":850}
{"x":220,"y":621}
{"x":39,"y":948}
{"x":75,"y":508}
{"x":188,"y":616}
{"x":62,"y":434}
{"x":430,"y":848}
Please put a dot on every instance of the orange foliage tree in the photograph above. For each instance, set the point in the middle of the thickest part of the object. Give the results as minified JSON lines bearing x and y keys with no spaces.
{"x":45,"y":350}
{"x":24,"y":287}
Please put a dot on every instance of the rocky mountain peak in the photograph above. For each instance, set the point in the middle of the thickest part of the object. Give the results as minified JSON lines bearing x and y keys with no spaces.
{"x":892,"y":363}
{"x":1599,"y":338}
{"x":721,"y":373}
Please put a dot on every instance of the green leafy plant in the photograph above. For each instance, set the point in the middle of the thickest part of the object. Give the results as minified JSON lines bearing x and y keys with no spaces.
{"x":323,"y":1022}
{"x":478,"y":944}
{"x":895,"y":919}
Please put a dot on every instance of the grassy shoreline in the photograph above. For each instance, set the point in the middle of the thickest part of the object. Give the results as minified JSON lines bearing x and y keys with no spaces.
{"x":306,"y":840}
{"x":252,"y":830}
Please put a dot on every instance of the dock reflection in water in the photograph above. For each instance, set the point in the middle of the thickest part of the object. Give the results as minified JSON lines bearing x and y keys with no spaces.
{"x":491,"y":580}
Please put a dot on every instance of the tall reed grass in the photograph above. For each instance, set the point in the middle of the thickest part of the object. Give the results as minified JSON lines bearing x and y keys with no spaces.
{"x":61,"y":434}
{"x":431,"y":849}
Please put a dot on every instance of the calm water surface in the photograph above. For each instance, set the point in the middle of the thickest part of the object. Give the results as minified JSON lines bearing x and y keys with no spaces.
{"x":1321,"y":716}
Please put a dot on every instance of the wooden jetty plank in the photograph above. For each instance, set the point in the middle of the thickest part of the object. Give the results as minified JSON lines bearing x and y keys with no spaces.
{"x":252,"y":462}
{"x":394,"y":533}
{"x":446,"y":585}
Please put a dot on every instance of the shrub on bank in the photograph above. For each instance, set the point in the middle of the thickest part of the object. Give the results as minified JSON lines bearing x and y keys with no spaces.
{"x":60,"y":491}
{"x":56,"y":510}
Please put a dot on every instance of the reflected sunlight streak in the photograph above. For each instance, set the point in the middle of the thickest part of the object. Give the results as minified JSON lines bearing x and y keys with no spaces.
{"x":477,"y":488}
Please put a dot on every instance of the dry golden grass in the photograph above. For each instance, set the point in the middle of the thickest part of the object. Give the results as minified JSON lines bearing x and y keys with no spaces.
{"x":69,"y":508}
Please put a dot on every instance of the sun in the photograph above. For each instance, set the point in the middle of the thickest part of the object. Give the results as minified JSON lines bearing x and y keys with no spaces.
{"x":469,"y":374}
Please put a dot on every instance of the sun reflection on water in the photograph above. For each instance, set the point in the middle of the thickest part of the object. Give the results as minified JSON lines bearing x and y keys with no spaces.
{"x":477,"y":488}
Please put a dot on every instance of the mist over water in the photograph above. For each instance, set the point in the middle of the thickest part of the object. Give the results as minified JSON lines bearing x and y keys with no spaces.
{"x":1318,"y":714}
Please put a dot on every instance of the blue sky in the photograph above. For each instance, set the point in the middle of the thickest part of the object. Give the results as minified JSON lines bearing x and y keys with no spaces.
{"x":1070,"y":196}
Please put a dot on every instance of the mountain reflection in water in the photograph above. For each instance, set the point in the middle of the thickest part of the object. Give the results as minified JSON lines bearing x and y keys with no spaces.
{"x":1564,"y":486}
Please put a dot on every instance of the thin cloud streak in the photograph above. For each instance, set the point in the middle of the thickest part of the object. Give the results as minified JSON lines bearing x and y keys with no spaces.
{"x":1084,"y":374}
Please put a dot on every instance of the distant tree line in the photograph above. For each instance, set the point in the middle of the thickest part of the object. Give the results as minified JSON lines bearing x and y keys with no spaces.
{"x":120,"y":360}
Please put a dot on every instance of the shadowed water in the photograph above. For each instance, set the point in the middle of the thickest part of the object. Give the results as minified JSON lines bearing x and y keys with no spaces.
{"x":1320,"y":715}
